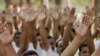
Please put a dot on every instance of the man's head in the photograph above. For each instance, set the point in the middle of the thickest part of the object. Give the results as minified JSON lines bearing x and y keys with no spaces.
{"x":51,"y":41}
{"x":30,"y":53}
{"x":84,"y":50}
{"x":17,"y":38}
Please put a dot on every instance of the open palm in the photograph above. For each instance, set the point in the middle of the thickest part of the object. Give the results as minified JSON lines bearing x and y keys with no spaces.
{"x":5,"y":36}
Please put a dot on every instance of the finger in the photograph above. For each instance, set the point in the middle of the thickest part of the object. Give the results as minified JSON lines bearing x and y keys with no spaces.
{"x":72,"y":12}
{"x":5,"y":23}
{"x":84,"y":20}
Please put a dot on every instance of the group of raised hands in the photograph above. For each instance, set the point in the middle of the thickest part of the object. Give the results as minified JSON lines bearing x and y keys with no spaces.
{"x":40,"y":19}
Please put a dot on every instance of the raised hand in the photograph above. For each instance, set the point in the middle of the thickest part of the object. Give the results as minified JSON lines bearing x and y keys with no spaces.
{"x":82,"y":28}
{"x":55,"y":13}
{"x":9,"y":14}
{"x":5,"y":36}
{"x":1,"y":14}
{"x":41,"y":16}
{"x":68,"y":15}
{"x":28,"y":14}
{"x":42,"y":13}
{"x":72,"y":18}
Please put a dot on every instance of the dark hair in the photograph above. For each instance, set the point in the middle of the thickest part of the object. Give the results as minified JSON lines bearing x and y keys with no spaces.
{"x":17,"y":34}
{"x":47,"y":30}
{"x":30,"y":52}
{"x":49,"y":37}
{"x":84,"y":44}
{"x":59,"y":27}
{"x":73,"y":30}
{"x":37,"y":34}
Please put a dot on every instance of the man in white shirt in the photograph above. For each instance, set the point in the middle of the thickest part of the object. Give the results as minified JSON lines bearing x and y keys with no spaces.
{"x":16,"y":42}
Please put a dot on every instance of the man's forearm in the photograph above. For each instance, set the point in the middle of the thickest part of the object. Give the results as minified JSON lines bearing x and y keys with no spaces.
{"x":66,"y":35}
{"x":23,"y":44}
{"x":95,"y":34}
{"x":9,"y":50}
{"x":72,"y":48}
{"x":90,"y":43}
{"x":97,"y":52}
{"x":43,"y":34}
{"x":2,"y":50}
{"x":55,"y":29}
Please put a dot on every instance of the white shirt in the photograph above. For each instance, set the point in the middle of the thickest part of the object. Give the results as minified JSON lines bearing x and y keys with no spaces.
{"x":77,"y":53}
{"x":30,"y":46}
{"x":50,"y":52}
{"x":38,"y":50}
{"x":15,"y":47}
{"x":96,"y":43}
{"x":42,"y":52}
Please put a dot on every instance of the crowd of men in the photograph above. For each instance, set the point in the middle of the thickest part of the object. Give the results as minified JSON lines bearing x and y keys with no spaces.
{"x":25,"y":31}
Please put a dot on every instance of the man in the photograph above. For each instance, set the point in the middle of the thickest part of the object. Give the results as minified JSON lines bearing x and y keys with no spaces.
{"x":16,"y":41}
{"x":81,"y":31}
{"x":84,"y":50}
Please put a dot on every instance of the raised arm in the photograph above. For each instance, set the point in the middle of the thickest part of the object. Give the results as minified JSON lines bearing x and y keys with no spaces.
{"x":6,"y":38}
{"x":96,"y":52}
{"x":2,"y":50}
{"x":44,"y":36}
{"x":81,"y":31}
{"x":24,"y":41}
{"x":68,"y":27}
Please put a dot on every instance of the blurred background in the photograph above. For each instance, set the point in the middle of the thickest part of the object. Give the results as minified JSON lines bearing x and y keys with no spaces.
{"x":71,"y":3}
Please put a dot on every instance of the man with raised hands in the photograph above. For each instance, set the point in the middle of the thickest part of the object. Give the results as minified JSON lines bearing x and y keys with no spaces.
{"x":81,"y":31}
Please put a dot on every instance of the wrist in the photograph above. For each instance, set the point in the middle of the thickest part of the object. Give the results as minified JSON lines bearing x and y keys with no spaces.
{"x":69,"y":24}
{"x":7,"y":46}
{"x":78,"y":35}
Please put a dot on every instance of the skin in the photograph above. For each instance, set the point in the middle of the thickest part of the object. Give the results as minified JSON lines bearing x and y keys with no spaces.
{"x":52,"y":43}
{"x":2,"y":52}
{"x":72,"y":50}
{"x":81,"y":31}
{"x":55,"y":15}
{"x":17,"y":41}
{"x":68,"y":27}
{"x":26,"y":38}
{"x":43,"y":35}
{"x":90,"y":37}
{"x":28,"y":26}
{"x":55,"y":29}
{"x":6,"y":38}
{"x":85,"y":52}
{"x":96,"y":52}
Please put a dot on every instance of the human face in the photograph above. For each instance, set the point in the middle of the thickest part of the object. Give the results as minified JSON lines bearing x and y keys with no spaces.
{"x":51,"y":42}
{"x":85,"y":52}
{"x":17,"y":41}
